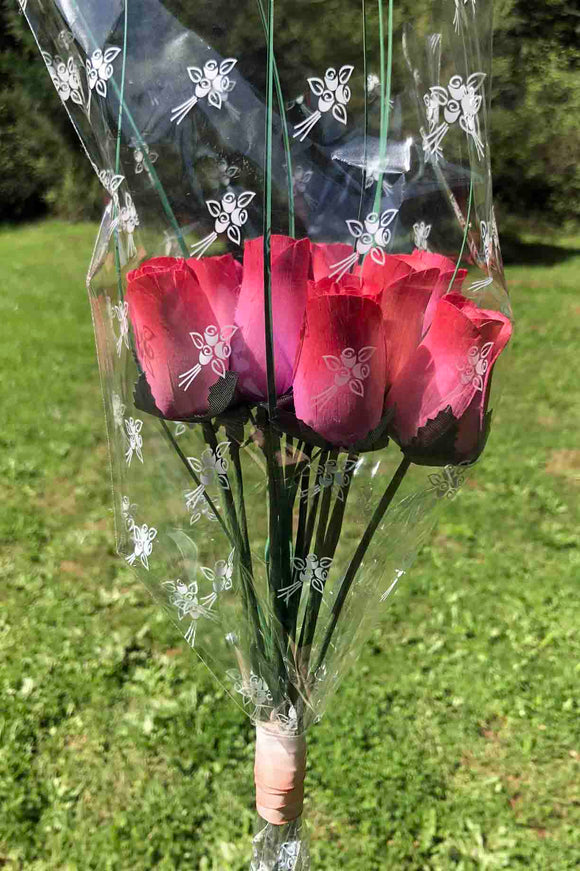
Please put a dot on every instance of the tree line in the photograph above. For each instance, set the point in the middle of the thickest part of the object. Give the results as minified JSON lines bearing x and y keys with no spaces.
{"x":535,"y":132}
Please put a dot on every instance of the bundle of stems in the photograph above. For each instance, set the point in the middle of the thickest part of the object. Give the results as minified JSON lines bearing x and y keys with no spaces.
{"x":303,"y":518}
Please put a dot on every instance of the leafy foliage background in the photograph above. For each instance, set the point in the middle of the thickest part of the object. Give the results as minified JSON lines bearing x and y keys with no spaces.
{"x":535,"y":99}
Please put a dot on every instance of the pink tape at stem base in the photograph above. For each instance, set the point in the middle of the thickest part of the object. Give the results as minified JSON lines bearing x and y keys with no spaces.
{"x":279,"y":774}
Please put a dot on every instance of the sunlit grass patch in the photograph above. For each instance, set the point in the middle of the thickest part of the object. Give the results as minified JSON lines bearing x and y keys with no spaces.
{"x":454,"y":742}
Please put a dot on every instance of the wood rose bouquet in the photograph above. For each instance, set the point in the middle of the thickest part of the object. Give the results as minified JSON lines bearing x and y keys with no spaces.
{"x":299,"y":306}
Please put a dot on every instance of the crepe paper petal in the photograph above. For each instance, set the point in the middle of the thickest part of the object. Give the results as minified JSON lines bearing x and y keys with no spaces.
{"x":289,"y":276}
{"x":382,"y":275}
{"x":496,"y":330}
{"x":219,"y":279}
{"x":431,"y":379}
{"x":446,"y":382}
{"x":403,"y":305}
{"x":340,"y":376}
{"x":325,"y":256}
{"x":448,"y":281}
{"x":168,"y":310}
{"x":420,"y":259}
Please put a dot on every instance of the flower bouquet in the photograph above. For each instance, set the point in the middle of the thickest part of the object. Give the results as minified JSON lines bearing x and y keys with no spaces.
{"x":299,"y":303}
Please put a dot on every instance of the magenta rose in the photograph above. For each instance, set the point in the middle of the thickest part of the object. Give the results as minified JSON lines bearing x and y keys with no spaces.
{"x":404,"y":302}
{"x":290,"y":270}
{"x":182,"y":313}
{"x":439,"y":398}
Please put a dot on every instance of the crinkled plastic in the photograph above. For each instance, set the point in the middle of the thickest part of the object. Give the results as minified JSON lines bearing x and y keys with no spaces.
{"x":298,"y":301}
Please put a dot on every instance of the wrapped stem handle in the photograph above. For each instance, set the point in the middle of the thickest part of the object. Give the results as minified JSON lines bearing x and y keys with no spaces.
{"x":279,"y":774}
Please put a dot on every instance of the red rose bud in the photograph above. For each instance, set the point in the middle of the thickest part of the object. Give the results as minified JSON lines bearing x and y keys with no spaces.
{"x":182,"y":313}
{"x":290,"y":268}
{"x":339,"y":383}
{"x":440,"y":396}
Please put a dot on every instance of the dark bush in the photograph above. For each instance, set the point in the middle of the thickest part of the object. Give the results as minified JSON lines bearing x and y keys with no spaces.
{"x":39,"y":170}
{"x":535,"y":127}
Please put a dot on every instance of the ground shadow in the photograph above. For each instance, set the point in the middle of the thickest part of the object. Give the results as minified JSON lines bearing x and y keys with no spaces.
{"x":517,"y":252}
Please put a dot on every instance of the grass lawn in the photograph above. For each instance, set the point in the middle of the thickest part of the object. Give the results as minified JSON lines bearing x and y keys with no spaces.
{"x":118,"y":751}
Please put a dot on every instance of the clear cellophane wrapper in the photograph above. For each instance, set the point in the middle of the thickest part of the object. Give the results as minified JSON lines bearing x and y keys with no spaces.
{"x":298,"y":300}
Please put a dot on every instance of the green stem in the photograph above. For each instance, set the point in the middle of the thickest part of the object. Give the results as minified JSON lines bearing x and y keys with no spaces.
{"x":314,"y":596}
{"x":191,"y":472}
{"x":386,"y":70}
{"x":335,"y":524}
{"x":278,"y":555}
{"x":235,"y":454}
{"x":293,"y":479}
{"x":303,"y":486}
{"x":211,"y":440}
{"x":240,"y":536}
{"x":252,"y":606}
{"x":268,"y":324}
{"x":465,"y":234}
{"x":323,"y":516}
{"x":299,"y":449}
{"x":285,"y":137}
{"x":360,"y":552}
{"x":309,"y":532}
{"x":366,"y":111}
{"x":279,"y":538}
{"x":118,"y":155}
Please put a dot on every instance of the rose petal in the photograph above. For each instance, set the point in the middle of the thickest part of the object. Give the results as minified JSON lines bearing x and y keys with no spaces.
{"x":156,"y":264}
{"x":166,"y":304}
{"x":442,"y":287}
{"x":347,"y":285}
{"x":419,"y":259}
{"x":495,"y":328}
{"x":325,"y":256}
{"x":382,"y":276}
{"x":290,"y":269}
{"x":219,"y":279}
{"x":342,"y":403}
{"x":403,"y":305}
{"x":431,"y":380}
